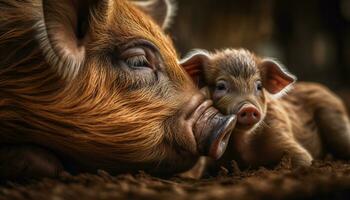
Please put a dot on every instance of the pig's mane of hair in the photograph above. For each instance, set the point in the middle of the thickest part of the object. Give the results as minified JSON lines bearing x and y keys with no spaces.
{"x":38,"y":106}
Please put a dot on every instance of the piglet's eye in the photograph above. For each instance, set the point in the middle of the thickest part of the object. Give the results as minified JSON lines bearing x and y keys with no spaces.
{"x":259,"y":86}
{"x":221,"y":89}
{"x":221,"y":86}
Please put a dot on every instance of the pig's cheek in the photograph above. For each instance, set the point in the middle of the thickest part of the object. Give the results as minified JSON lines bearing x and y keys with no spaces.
{"x":185,"y":137}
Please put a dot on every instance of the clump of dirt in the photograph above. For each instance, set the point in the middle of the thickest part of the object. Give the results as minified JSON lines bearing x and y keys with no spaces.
{"x":323,"y":180}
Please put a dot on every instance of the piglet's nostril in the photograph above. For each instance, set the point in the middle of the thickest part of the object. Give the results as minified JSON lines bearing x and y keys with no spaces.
{"x":243,"y":114}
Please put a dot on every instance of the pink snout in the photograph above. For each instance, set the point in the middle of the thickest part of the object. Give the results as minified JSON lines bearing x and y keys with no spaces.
{"x":248,"y":115}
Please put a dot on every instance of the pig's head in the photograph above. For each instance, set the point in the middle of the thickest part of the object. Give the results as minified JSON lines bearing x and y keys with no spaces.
{"x":239,"y":82}
{"x":98,"y":82}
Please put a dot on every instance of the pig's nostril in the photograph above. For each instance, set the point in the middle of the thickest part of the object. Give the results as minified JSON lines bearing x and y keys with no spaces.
{"x":243,"y":114}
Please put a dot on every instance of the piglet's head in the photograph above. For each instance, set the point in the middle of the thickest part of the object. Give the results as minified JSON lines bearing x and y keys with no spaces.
{"x":239,"y":82}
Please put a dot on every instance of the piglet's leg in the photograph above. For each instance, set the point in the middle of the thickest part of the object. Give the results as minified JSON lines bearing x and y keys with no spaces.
{"x":331,"y":118}
{"x":27,"y":162}
{"x":299,"y":155}
{"x":334,"y":126}
{"x":272,"y":144}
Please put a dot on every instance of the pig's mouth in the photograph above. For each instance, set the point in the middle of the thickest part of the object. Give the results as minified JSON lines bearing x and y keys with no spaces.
{"x":211,"y":129}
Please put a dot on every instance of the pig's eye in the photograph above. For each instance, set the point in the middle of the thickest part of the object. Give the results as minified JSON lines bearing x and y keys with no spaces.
{"x":137,"y":61}
{"x":136,"y":58}
{"x":221,"y":86}
{"x":259,"y":86}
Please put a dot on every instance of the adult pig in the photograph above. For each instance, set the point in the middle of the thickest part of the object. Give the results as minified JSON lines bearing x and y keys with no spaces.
{"x":96,"y":84}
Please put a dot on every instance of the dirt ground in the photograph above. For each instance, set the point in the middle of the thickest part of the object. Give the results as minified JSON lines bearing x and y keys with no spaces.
{"x":323,"y":180}
{"x":326,"y":179}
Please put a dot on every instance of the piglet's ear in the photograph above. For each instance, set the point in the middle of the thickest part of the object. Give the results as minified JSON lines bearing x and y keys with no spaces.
{"x":161,"y":11}
{"x":276,"y":79}
{"x":194,"y":64}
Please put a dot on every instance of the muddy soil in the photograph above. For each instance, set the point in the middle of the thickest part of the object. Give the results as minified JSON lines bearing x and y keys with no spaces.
{"x":323,"y":180}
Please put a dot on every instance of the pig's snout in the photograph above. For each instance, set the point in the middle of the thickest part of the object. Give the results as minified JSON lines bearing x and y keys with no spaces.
{"x":212,"y":132}
{"x":248,"y":115}
{"x":211,"y":129}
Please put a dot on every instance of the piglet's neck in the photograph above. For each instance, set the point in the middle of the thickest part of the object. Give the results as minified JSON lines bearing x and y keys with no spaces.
{"x":239,"y":139}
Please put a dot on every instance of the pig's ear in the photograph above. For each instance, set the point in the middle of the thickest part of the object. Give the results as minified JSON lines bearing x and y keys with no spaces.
{"x":162,"y":11}
{"x":275,"y":78}
{"x":194,"y":64}
{"x":62,"y":34}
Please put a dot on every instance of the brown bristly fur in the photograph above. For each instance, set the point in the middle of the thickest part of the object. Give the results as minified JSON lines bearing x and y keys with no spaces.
{"x":93,"y":118}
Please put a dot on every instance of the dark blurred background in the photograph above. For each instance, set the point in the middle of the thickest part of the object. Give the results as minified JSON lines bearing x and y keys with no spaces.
{"x":312,"y":38}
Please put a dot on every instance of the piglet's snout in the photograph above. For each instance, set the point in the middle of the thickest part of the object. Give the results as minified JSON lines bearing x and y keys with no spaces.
{"x":248,"y":115}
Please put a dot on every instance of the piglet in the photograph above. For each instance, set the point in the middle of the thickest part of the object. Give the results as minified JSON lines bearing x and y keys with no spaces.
{"x":307,"y":123}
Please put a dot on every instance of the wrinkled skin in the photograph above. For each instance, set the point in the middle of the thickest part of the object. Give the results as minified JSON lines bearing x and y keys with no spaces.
{"x":96,"y":84}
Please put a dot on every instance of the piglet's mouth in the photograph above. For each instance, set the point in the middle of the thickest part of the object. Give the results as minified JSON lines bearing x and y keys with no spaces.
{"x":212,"y":130}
